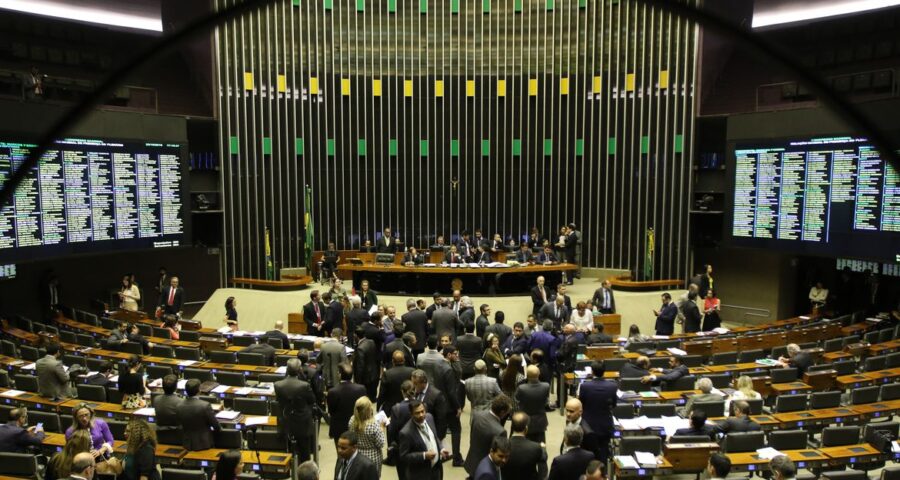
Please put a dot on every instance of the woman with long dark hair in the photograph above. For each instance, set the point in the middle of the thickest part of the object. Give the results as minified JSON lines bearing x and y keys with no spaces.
{"x":512,"y":375}
{"x":230,"y":465}
{"x":129,"y":294}
{"x":131,"y":384}
{"x":140,"y":456}
{"x":231,"y":316}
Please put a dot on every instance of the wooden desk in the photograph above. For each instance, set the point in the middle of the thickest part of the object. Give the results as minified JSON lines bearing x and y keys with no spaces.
{"x":766,"y":422}
{"x":141,"y":317}
{"x":884,"y":348}
{"x":883,"y":376}
{"x":820,"y":417}
{"x":789,"y":388}
{"x":292,"y":283}
{"x":855,"y":380}
{"x":664,"y":468}
{"x":738,"y":368}
{"x":878,"y":409}
{"x":103,"y":332}
{"x":750,"y":461}
{"x":169,"y":455}
{"x":832,"y":357}
{"x":852,"y":454}
{"x":278,"y":462}
{"x":31,"y":400}
{"x":689,"y":457}
{"x":612,"y":322}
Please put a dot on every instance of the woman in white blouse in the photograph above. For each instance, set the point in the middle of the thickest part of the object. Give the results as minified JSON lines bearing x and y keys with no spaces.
{"x":129,"y":295}
{"x":582,"y":318}
{"x":744,"y":392}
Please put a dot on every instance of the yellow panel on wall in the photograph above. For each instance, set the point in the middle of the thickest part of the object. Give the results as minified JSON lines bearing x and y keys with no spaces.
{"x":663,"y":79}
{"x":313,"y":85}
{"x":564,"y":86}
{"x":282,"y":84}
{"x":532,"y":87}
{"x":501,"y":88}
{"x":629,"y":82}
{"x":597,"y":84}
{"x":407,"y":88}
{"x":470,"y":88}
{"x":345,"y":86}
{"x":376,"y":87}
{"x":248,"y":80}
{"x":438,"y":88}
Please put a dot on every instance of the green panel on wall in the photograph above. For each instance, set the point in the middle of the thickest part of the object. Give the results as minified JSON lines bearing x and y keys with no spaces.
{"x":360,"y":5}
{"x":485,"y":147}
{"x":267,"y":145}
{"x":298,"y":146}
{"x":392,"y":6}
{"x":645,"y":144}
{"x":234,"y":145}
{"x":423,"y":148}
{"x":361,"y":147}
{"x":454,"y":147}
{"x":579,"y":146}
{"x":551,"y":4}
{"x":392,"y":147}
{"x":517,"y":6}
{"x":454,"y":6}
{"x":486,"y":6}
{"x":328,"y":4}
{"x":548,"y":146}
{"x":330,"y":147}
{"x":679,"y":143}
{"x":611,"y":146}
{"x":423,"y":6}
{"x":517,"y":146}
{"x":582,"y":3}
{"x":296,"y":3}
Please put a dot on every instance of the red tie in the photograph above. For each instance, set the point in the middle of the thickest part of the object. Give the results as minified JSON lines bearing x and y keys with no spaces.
{"x":171,"y":296}
{"x":318,"y":316}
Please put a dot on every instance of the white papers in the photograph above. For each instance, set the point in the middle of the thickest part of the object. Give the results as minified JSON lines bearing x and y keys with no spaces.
{"x":646,"y":459}
{"x":228,"y":414}
{"x":804,"y":317}
{"x":620,"y":393}
{"x":629,"y":424}
{"x":373,"y":309}
{"x":243,"y":391}
{"x":676,"y":351}
{"x":186,"y":363}
{"x":768,"y":453}
{"x":895,"y":446}
{"x":220,"y":389}
{"x":114,"y":379}
{"x":382,"y":418}
{"x":672,"y":424}
{"x":721,"y":330}
{"x":627,"y":461}
{"x":256,"y":420}
{"x":718,"y":392}
{"x":659,"y":337}
{"x":224,"y":329}
{"x":12,"y":393}
{"x":281,"y":370}
{"x":147,"y":411}
{"x":156,"y":383}
{"x":181,"y":384}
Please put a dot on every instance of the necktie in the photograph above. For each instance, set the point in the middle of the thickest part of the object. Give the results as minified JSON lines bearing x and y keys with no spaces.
{"x":171,"y":296}
{"x":318,"y":315}
{"x":605,"y":298}
{"x":342,"y":474}
{"x":543,"y":295}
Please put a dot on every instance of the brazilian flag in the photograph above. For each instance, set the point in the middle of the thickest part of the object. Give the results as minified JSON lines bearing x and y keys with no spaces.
{"x":270,"y":265}
{"x":308,"y":226}
{"x":650,"y":251}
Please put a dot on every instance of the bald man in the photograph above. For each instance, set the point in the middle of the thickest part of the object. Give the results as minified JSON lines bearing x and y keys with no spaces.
{"x":277,"y":332}
{"x":589,"y":442}
{"x":82,"y":466}
{"x":533,"y":397}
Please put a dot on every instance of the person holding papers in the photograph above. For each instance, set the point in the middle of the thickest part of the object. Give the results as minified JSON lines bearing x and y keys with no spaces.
{"x":675,"y":371}
{"x":665,"y":316}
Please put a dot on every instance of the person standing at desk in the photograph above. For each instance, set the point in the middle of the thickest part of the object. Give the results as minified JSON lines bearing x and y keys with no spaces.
{"x":168,"y":403}
{"x":298,"y":404}
{"x":129,"y":295}
{"x":161,"y":281}
{"x":604,"y":298}
{"x":692,"y":315}
{"x":386,"y":244}
{"x":465,"y":247}
{"x":171,"y":299}
{"x":314,"y":315}
{"x":132,"y":386}
{"x":665,"y":316}
{"x":600,"y":397}
{"x":53,"y":382}
{"x":197,"y":419}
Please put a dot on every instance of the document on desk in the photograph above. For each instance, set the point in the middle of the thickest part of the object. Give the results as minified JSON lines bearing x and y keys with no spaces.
{"x":228,"y":414}
{"x":676,"y":351}
{"x":629,"y":424}
{"x":627,"y":461}
{"x":672,"y":424}
{"x":256,"y":420}
{"x":12,"y":393}
{"x":767,"y":362}
{"x":224,"y":329}
{"x":146,"y":412}
{"x":181,"y":384}
{"x":646,"y":459}
{"x":768,"y":453}
{"x":156,"y":383}
{"x":243,"y":391}
{"x":281,"y":370}
{"x":186,"y":363}
{"x":220,"y":389}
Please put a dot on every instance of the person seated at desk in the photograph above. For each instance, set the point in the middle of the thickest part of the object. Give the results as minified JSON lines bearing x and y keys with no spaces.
{"x":635,"y":336}
{"x":453,"y":256}
{"x":231,"y":314}
{"x":101,"y":378}
{"x":386,"y":244}
{"x":170,"y":323}
{"x":524,"y":254}
{"x":497,"y":244}
{"x":597,"y":335}
{"x":744,"y":392}
{"x":197,"y":419}
{"x":118,"y":336}
{"x":639,"y":369}
{"x":16,"y":436}
{"x":135,"y":336}
{"x":439,"y":244}
{"x":675,"y":371}
{"x":482,"y":256}
{"x":547,"y":257}
{"x":718,"y":467}
{"x":129,"y":295}
{"x":797,"y":359}
{"x":698,"y":426}
{"x":330,"y":259}
{"x":706,"y":395}
{"x":412,"y":257}
{"x":367,"y":247}
{"x":740,"y":422}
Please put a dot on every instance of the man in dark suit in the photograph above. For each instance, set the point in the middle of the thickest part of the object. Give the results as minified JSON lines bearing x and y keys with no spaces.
{"x":436,"y":304}
{"x":698,"y":426}
{"x":314,"y":315}
{"x":486,"y":424}
{"x":530,"y":459}
{"x":334,"y":313}
{"x":797,"y":358}
{"x":445,"y":322}
{"x":482,"y":322}
{"x":400,"y":415}
{"x":448,"y":379}
{"x":556,"y":311}
{"x":412,"y":257}
{"x":524,"y":254}
{"x":547,"y":257}
{"x":482,"y":255}
{"x":171,"y":299}
{"x":101,"y":378}
{"x":403,"y":343}
{"x":498,"y":328}
{"x":435,"y":401}
{"x":53,"y":381}
{"x":16,"y":436}
{"x":639,"y":369}
{"x":420,"y":447}
{"x":197,"y":419}
{"x":390,"y":393}
{"x":470,"y":348}
{"x":368,"y":297}
{"x":277,"y":332}
{"x":540,"y":295}
{"x":352,"y":465}
{"x":355,"y":318}
{"x":386,"y":244}
{"x":297,"y":402}
{"x":465,"y":247}
{"x":676,"y":370}
{"x":598,"y":336}
{"x":665,"y":316}
{"x":604,"y":299}
{"x":601,"y":396}
{"x":561,"y":290}
{"x":453,"y":256}
{"x":574,"y":460}
{"x":518,"y":343}
{"x":692,"y":315}
{"x":415,"y":321}
{"x":340,"y":400}
{"x":167,"y":404}
{"x":367,"y":365}
{"x":589,"y":440}
{"x":532,"y":397}
{"x":740,"y":421}
{"x":567,"y":354}
{"x":489,"y":467}
{"x":331,"y":355}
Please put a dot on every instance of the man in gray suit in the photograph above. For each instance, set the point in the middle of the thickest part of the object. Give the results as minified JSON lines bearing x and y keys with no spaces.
{"x":168,"y":403}
{"x":331,"y":355}
{"x":430,"y":358}
{"x":485,"y":426}
{"x":481,"y":389}
{"x":532,"y":398}
{"x":53,"y":382}
{"x":446,"y":322}
{"x":705,"y":386}
{"x":197,"y":420}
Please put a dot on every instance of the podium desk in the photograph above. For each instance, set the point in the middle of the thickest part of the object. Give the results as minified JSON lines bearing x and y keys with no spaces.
{"x":689,"y":457}
{"x":272,"y":462}
{"x":852,"y":454}
{"x":751,"y":461}
{"x":789,"y":388}
{"x":821,"y":417}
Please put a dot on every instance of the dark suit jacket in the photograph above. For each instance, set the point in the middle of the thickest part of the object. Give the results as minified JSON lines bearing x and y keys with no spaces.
{"x":501,"y":330}
{"x":466,"y":318}
{"x":532,"y":398}
{"x":369,"y":298}
{"x":389,"y":394}
{"x":560,"y":318}
{"x":177,"y":302}
{"x":707,"y":430}
{"x":366,"y":364}
{"x":470,"y":348}
{"x":412,"y":447}
{"x":399,"y":416}
{"x":389,"y":349}
{"x":416,"y":321}
{"x":692,"y":317}
{"x":802,"y":361}
{"x":737,"y":424}
{"x":600,"y":395}
{"x":198,"y":422}
{"x":334,"y":316}
{"x":537,"y":300}
{"x":15,"y":439}
{"x":445,"y":322}
{"x":567,"y":301}
{"x":285,"y":342}
{"x":570,"y":465}
{"x":297,"y":402}
{"x":630,"y":370}
{"x":665,"y":321}
{"x":673,"y":374}
{"x":372,"y":332}
{"x":524,"y":257}
{"x":447,"y":380}
{"x":529,"y":462}
{"x":451,"y":257}
{"x":386,"y":247}
{"x":417,"y":259}
{"x":436,"y":404}
{"x":485,"y":426}
{"x":596,"y":338}
{"x":567,"y":353}
{"x":309,"y":316}
{"x":355,"y":318}
{"x":167,"y":410}
{"x":361,"y":468}
{"x":481,"y":325}
{"x":597,"y":299}
{"x":486,"y":470}
{"x":341,"y":399}
{"x":483,"y":257}
{"x":544,"y":258}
